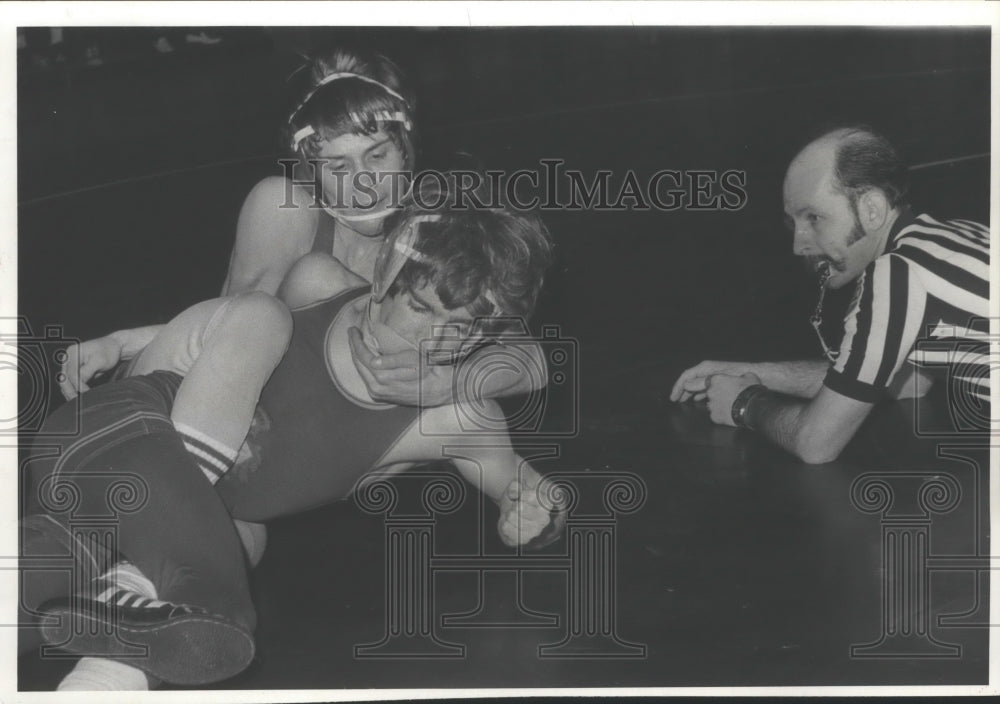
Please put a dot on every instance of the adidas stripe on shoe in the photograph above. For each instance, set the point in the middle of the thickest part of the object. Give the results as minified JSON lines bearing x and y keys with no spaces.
{"x":183,"y":644}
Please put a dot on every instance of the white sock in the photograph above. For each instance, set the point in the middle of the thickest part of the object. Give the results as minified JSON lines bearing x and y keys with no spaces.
{"x":98,"y":674}
{"x":101,"y":674}
{"x":213,"y":457}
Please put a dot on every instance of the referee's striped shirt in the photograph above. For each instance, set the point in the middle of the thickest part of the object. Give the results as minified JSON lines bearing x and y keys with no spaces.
{"x":924,"y":300}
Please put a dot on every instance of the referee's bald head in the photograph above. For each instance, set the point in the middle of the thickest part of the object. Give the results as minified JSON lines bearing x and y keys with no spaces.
{"x":860,"y":159}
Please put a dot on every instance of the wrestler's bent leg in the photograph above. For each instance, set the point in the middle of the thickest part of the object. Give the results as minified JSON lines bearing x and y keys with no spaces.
{"x":225,"y":349}
{"x":169,"y":522}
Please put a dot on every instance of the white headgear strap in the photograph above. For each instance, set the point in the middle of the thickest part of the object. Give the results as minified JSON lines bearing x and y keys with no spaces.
{"x":365,"y":217}
{"x":391,"y":260}
{"x":493,"y":302}
{"x":381,"y":116}
{"x":384,"y":116}
{"x":339,"y":214}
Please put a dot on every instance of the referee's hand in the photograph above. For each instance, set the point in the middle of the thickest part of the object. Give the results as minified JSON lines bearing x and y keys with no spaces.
{"x":691,"y":384}
{"x":721,"y":391}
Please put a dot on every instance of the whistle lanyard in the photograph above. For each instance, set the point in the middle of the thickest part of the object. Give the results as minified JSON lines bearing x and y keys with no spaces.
{"x":816,"y":320}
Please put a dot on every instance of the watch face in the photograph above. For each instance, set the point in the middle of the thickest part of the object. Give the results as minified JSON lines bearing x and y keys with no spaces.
{"x":737,"y":411}
{"x":742,"y":404}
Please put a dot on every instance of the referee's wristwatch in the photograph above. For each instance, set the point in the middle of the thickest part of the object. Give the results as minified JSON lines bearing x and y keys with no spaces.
{"x":742,"y":404}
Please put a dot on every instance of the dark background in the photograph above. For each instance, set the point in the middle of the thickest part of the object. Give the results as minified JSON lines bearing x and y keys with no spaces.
{"x":131,"y":174}
{"x":130,"y":179}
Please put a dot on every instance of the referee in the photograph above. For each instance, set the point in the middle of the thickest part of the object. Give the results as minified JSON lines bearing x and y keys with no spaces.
{"x":916,"y":278}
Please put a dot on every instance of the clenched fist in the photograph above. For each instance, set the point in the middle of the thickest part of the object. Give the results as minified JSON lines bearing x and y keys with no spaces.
{"x":526,"y":520}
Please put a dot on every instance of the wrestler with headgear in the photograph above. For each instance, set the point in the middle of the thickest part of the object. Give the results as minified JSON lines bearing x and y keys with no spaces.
{"x":353,"y":132}
{"x":446,"y":282}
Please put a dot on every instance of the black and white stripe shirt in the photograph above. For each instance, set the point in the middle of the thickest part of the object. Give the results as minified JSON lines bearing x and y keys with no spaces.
{"x":925,"y":300}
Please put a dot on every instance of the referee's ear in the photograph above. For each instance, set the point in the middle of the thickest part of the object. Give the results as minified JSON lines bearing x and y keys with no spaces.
{"x":873,"y":210}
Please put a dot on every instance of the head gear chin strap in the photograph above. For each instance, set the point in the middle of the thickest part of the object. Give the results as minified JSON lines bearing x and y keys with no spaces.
{"x":366,"y":217}
{"x":393,"y":257}
{"x":338,"y":214}
{"x":383,"y":116}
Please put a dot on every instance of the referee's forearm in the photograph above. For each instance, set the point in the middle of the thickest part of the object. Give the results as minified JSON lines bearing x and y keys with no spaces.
{"x":788,"y":423}
{"x":800,"y":378}
{"x":778,"y":417}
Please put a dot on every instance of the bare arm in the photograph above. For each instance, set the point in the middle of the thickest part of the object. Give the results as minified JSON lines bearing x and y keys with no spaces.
{"x":490,"y":467}
{"x":516,"y":367}
{"x":802,"y":379}
{"x":275,"y":228}
{"x":494,"y":468}
{"x":527,"y":371}
{"x":910,"y":382}
{"x":134,"y":341}
{"x":315,"y":277}
{"x":815,"y":431}
{"x":526,"y":517}
{"x":87,"y":359}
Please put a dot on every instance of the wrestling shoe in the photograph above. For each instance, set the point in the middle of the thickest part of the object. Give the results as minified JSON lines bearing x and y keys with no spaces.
{"x":185,"y":645}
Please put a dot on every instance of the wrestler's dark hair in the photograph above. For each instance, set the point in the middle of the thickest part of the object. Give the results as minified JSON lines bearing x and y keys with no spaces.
{"x":865,"y":159}
{"x":349,"y":105}
{"x":471,"y":254}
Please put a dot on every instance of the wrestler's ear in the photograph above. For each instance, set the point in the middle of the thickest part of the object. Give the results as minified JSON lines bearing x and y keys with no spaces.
{"x":873,"y":209}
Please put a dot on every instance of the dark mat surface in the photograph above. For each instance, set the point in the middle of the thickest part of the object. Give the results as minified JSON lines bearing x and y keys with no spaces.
{"x":741,"y":566}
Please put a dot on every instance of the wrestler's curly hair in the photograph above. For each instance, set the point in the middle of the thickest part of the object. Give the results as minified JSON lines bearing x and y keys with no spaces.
{"x":479,"y":247}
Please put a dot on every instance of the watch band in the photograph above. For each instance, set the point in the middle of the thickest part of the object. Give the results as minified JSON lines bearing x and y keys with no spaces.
{"x":742,"y":404}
